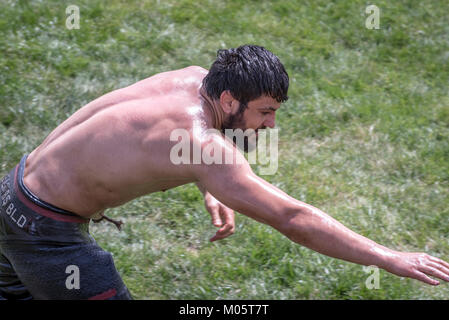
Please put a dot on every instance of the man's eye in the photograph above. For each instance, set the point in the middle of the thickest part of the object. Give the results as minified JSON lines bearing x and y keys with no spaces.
{"x":265,"y":113}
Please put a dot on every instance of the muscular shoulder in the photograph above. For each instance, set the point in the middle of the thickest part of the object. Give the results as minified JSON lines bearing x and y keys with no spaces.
{"x":196,"y":69}
{"x":188,"y":79}
{"x":169,"y":82}
{"x":217,"y":155}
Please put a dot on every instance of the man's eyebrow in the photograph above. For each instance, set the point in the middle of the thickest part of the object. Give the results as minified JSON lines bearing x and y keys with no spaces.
{"x":268,"y":108}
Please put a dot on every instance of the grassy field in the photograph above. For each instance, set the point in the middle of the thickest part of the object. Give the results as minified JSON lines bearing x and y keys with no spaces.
{"x":364,"y":136}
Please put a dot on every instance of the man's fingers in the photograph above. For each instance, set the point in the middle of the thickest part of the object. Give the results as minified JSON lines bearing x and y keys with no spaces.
{"x":442,"y":262}
{"x":220,"y":235}
{"x":227,"y":216}
{"x":433,"y":272}
{"x":222,"y":217}
{"x":217,"y":237}
{"x":440,"y":267}
{"x":216,"y":219}
{"x":418,"y":275}
{"x":225,"y":231}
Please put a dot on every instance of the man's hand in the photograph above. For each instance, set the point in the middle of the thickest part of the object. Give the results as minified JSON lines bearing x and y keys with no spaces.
{"x":222,"y":217}
{"x":419,"y":266}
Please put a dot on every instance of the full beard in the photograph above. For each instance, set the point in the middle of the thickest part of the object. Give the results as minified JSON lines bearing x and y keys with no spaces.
{"x":236,"y":121}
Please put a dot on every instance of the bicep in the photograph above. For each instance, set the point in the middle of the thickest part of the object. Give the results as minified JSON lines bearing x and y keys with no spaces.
{"x":237,"y":187}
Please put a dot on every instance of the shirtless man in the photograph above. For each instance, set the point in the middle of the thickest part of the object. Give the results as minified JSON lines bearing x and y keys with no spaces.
{"x":117,"y":148}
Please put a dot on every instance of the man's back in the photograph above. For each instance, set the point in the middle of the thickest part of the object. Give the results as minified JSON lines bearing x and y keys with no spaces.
{"x":117,"y":147}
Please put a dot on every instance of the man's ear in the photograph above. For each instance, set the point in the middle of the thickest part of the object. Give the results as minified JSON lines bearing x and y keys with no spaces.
{"x":228,"y":103}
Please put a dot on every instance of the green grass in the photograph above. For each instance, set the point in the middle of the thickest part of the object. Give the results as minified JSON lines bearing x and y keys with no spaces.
{"x":364,"y":136}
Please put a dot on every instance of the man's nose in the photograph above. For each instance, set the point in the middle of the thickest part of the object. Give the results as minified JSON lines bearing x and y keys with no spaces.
{"x":270,"y":121}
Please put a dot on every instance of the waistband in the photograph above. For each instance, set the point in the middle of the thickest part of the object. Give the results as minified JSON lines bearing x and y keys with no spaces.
{"x":33,"y":202}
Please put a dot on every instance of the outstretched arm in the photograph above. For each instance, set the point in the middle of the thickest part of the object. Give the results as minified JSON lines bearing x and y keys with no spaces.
{"x":237,"y":187}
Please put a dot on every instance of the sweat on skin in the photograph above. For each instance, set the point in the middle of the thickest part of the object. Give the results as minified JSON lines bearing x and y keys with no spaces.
{"x":117,"y":148}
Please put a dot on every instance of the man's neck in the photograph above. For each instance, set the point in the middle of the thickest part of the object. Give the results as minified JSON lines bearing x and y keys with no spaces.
{"x":214,"y":108}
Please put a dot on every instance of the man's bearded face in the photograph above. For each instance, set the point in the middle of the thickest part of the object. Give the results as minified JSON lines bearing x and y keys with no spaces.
{"x":246,"y":138}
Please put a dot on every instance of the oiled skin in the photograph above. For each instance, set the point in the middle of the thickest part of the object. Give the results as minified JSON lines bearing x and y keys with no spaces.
{"x":117,"y":148}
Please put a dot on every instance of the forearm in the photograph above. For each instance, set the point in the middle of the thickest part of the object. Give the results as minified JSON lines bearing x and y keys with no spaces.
{"x":320,"y":232}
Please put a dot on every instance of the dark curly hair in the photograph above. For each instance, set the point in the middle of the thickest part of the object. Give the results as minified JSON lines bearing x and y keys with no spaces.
{"x":248,"y":72}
